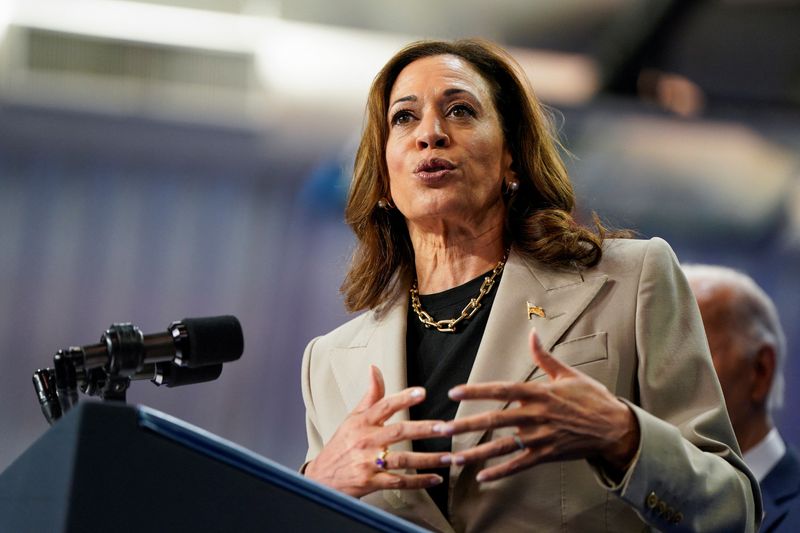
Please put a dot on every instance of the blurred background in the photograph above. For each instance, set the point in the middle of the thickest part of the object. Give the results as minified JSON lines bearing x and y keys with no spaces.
{"x":166,"y":159}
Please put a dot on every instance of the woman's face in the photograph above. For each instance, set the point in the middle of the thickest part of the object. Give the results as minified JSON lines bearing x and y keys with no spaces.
{"x":445,"y":152}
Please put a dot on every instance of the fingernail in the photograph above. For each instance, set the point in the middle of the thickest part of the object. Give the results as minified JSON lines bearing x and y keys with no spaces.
{"x":418,"y":392}
{"x":435,"y":481}
{"x":455,"y":394}
{"x":443,"y":428}
{"x":458,"y":459}
{"x":446,"y":459}
{"x":481,"y":477}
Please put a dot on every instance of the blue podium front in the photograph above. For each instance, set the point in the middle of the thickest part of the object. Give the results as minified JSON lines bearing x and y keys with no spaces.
{"x":113,"y":467}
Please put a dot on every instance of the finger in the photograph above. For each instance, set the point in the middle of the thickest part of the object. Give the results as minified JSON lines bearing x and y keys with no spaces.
{"x":492,"y":420}
{"x":407,"y":430}
{"x":542,"y":448}
{"x":497,"y":390}
{"x":493,"y":448}
{"x":382,"y":410}
{"x":375,"y":391}
{"x":391,"y":480}
{"x":519,"y":462}
{"x":552,"y":366}
{"x":416,"y":460}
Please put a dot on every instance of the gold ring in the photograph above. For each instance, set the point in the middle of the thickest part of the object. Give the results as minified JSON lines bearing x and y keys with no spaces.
{"x":518,"y":441}
{"x":380,"y":460}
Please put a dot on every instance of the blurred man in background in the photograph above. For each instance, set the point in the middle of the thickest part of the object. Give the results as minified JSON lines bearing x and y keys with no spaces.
{"x":748,"y":348}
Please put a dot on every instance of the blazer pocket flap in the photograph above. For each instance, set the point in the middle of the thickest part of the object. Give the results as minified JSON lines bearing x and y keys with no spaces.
{"x":579,"y":351}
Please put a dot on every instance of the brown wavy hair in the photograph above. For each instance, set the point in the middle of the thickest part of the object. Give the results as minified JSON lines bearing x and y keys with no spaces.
{"x":539,"y":220}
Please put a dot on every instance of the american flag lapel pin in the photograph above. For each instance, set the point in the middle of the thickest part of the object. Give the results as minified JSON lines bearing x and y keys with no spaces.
{"x":535,"y":310}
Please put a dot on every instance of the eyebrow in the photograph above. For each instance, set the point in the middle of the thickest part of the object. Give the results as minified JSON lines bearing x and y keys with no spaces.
{"x":410,"y":98}
{"x":448,"y":93}
{"x":453,"y":91}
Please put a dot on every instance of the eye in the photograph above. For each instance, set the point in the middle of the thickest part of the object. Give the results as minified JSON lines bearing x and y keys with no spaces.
{"x":403,"y":116}
{"x":461,"y":111}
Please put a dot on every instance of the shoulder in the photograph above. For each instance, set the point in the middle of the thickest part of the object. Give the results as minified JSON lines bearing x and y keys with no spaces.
{"x":632,"y":256}
{"x":632,"y":249}
{"x":357,"y":332}
{"x":317,"y":358}
{"x":353,"y":333}
{"x":648,"y":272}
{"x":793,"y":458}
{"x":785,"y":474}
{"x":625,"y":261}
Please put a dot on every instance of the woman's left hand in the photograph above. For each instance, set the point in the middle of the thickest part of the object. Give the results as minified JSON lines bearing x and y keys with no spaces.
{"x":571,"y":416}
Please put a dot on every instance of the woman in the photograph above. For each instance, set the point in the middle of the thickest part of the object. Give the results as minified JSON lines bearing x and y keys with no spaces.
{"x":590,"y":401}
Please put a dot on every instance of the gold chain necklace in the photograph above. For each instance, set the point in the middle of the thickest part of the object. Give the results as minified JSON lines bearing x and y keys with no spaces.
{"x":449,"y":326}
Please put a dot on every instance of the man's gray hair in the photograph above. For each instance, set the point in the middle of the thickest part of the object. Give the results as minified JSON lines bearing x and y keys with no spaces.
{"x":755,"y":317}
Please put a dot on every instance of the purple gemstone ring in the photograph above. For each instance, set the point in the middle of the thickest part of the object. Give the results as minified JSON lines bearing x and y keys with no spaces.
{"x":380,"y":460}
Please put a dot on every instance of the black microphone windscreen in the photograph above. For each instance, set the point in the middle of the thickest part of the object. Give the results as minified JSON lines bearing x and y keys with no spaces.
{"x":212,"y":340}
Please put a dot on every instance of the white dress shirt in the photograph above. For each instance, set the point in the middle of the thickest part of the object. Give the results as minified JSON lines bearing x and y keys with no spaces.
{"x":763,"y":457}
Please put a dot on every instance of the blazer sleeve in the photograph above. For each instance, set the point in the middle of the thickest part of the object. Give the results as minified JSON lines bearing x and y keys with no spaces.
{"x":687,"y":474}
{"x":312,"y":432}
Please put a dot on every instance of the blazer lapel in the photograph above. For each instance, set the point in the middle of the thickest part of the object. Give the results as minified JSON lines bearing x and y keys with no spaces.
{"x":504,"y":354}
{"x":381,"y":343}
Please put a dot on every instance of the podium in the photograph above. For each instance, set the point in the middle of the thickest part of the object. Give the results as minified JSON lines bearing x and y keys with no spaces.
{"x":114,"y":467}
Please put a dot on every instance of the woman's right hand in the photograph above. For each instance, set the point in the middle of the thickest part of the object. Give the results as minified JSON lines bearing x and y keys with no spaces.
{"x":348,"y":462}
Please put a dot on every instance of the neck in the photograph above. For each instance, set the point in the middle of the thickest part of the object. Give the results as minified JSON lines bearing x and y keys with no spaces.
{"x":446,"y":259}
{"x":753,"y":432}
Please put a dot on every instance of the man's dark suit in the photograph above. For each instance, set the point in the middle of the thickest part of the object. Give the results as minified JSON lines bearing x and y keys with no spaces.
{"x":781,"y":493}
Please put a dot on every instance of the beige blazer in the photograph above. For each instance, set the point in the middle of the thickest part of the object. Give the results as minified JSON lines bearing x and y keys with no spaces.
{"x":631,"y":323}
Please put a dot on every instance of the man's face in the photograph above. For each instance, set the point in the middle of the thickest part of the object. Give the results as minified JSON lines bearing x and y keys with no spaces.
{"x":731,"y":361}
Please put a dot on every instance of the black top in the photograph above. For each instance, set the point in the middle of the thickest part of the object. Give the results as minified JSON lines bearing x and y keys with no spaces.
{"x":439,"y":361}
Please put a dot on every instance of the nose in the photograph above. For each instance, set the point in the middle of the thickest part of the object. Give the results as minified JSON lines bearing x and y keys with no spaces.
{"x":431,"y":133}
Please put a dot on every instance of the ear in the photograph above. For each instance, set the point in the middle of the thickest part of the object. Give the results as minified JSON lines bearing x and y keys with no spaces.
{"x":507,"y":169}
{"x":763,"y":374}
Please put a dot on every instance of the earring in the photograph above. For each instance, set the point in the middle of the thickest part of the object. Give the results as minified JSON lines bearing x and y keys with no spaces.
{"x":385,"y":203}
{"x":511,"y":187}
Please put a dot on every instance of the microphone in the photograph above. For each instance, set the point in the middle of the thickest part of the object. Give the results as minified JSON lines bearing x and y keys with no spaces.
{"x":192,"y":342}
{"x":208,"y":341}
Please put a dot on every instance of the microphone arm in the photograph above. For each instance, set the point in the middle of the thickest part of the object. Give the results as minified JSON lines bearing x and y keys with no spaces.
{"x":192,"y":350}
{"x":44,"y":383}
